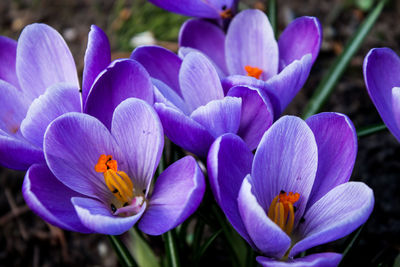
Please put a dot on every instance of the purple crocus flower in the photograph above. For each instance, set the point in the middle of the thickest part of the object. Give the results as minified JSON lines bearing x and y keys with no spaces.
{"x":249,"y":54}
{"x":382,"y":78}
{"x":293,"y":194}
{"x":39,"y":82}
{"x":192,"y":105}
{"x":102,"y":177}
{"x":211,"y":9}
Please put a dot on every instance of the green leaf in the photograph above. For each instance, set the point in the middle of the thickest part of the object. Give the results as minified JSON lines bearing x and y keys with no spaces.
{"x":365,"y":131}
{"x":272,"y":14}
{"x":397,"y":261}
{"x":353,"y":240}
{"x":142,"y":252}
{"x":331,"y":78}
{"x":171,"y":248}
{"x":124,"y":256}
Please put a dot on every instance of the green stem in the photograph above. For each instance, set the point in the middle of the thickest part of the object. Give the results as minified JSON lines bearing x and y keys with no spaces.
{"x":352,"y":242}
{"x":171,"y":248}
{"x":329,"y":81}
{"x":272,"y":14}
{"x":365,"y":131}
{"x":124,"y":256}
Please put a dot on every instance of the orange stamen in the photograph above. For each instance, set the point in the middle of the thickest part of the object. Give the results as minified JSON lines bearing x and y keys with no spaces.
{"x":226,"y":14}
{"x":281,"y":210}
{"x":253,"y":71}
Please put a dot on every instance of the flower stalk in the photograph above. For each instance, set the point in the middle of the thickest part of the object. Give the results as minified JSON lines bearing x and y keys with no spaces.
{"x":124,"y":256}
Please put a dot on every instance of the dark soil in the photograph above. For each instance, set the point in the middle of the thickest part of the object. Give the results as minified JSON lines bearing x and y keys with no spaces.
{"x":25,"y":240}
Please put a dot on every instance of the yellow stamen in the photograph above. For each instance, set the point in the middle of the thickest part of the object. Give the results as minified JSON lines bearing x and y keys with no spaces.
{"x":118,"y":182}
{"x":253,"y":71}
{"x":281,"y":210}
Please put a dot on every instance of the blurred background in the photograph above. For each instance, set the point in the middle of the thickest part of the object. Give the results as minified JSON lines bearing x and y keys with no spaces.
{"x":26,"y":240}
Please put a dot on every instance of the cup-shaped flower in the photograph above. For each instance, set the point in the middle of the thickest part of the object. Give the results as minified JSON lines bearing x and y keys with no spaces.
{"x":39,"y":82}
{"x":249,"y":54}
{"x":192,"y":105}
{"x":293,"y":194}
{"x":382,"y":78}
{"x":215,"y":9}
{"x":98,"y":180}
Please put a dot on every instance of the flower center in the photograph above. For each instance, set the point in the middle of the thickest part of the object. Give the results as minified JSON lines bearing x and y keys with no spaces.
{"x":253,"y":71}
{"x":226,"y":13}
{"x":282,"y":210}
{"x":118,"y":182}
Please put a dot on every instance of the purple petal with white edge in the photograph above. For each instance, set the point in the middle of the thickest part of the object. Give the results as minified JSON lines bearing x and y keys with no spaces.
{"x":97,"y":217}
{"x":314,"y":260}
{"x":43,"y":59}
{"x":72,"y":146}
{"x":396,"y":104}
{"x":139,"y":133}
{"x":13,"y":108}
{"x":8,"y":57}
{"x":286,"y":159}
{"x":219,"y":116}
{"x":183,"y":51}
{"x":164,"y":94}
{"x":205,"y":37}
{"x":337,"y":150}
{"x":211,"y":9}
{"x":183,"y":130}
{"x":266,"y":235}
{"x":303,"y":36}
{"x":161,"y":64}
{"x":124,"y":78}
{"x":335,"y":215}
{"x":250,"y":41}
{"x":257,"y":114}
{"x":97,"y":58}
{"x":16,"y":153}
{"x":199,"y":81}
{"x":263,"y":88}
{"x":57,"y":100}
{"x":381,"y":68}
{"x":290,"y":80}
{"x":177,"y":193}
{"x":229,"y":161}
{"x":51,"y":199}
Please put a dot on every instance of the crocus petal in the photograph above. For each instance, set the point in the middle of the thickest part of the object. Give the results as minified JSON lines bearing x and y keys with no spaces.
{"x":57,"y":100}
{"x":229,"y":161}
{"x":263,"y":88}
{"x":97,"y":58}
{"x":199,"y":81}
{"x":124,"y":78}
{"x":184,"y":131}
{"x":8,"y":57}
{"x":43,"y":59}
{"x":303,"y":36}
{"x":51,"y":199}
{"x":219,"y":116}
{"x":139,"y":133}
{"x":250,"y":41}
{"x":205,"y":37}
{"x":266,"y":235}
{"x":177,"y":193}
{"x":72,"y":145}
{"x":290,"y":80}
{"x":335,"y":215}
{"x":381,"y":67}
{"x":13,"y":108}
{"x":211,"y":9}
{"x":257,"y":114}
{"x":161,"y":63}
{"x":314,"y":260}
{"x":18,"y":154}
{"x":396,"y":104}
{"x":337,"y":149}
{"x":164,"y":94}
{"x":286,"y":159}
{"x":97,"y":217}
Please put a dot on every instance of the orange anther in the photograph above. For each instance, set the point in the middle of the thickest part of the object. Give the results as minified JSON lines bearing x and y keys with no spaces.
{"x":253,"y":71}
{"x":104,"y":163}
